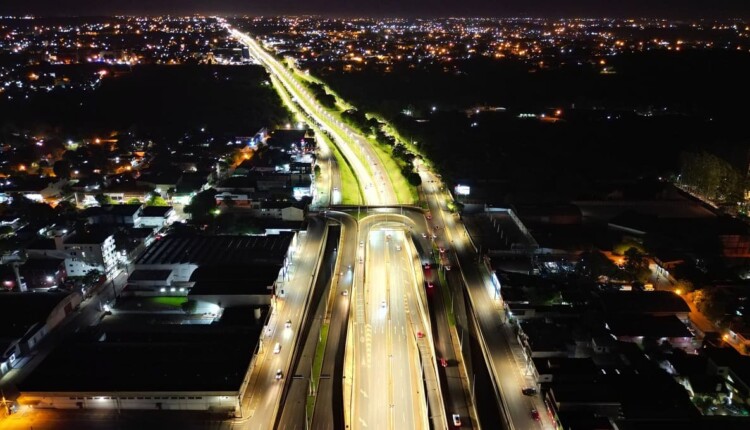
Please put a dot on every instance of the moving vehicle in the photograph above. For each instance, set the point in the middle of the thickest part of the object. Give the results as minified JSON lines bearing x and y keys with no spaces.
{"x":279,"y":374}
{"x":529,"y":391}
{"x":345,"y":293}
{"x":398,"y":247}
{"x":288,"y":324}
{"x":535,"y":415}
{"x":456,"y":420}
{"x":277,"y":348}
{"x":443,"y":362}
{"x":382,"y":304}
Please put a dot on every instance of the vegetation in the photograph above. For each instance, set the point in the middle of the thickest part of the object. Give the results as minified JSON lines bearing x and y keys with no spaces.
{"x":712,"y":177}
{"x":202,"y":206}
{"x":156,"y":200}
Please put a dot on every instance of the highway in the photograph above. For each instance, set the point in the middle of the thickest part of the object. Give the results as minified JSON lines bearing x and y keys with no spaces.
{"x":329,"y":403}
{"x":376,"y":186}
{"x":453,"y":237}
{"x":263,"y":393}
{"x":386,"y":388}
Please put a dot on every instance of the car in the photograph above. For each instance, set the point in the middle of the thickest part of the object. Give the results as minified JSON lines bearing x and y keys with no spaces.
{"x":442,"y":250}
{"x":387,"y":237}
{"x":427,"y":266}
{"x":398,"y":247}
{"x":279,"y":374}
{"x":383,"y":304}
{"x":288,"y":324}
{"x":429,"y":285}
{"x":529,"y":391}
{"x":277,"y":348}
{"x":535,"y":415}
{"x":345,"y":293}
{"x":428,"y":215}
{"x":443,"y":362}
{"x":424,"y":235}
{"x":448,"y":267}
{"x":456,"y":420}
{"x":361,"y":243}
{"x":420,"y":335}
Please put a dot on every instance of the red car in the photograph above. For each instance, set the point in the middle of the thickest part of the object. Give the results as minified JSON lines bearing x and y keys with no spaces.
{"x":428,"y":216}
{"x":420,"y":334}
{"x":535,"y":414}
{"x":443,"y":362}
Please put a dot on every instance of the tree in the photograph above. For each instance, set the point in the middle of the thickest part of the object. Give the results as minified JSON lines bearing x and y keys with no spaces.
{"x":61,"y":169}
{"x":156,"y":200}
{"x":104,"y":200}
{"x":202,"y":205}
{"x":596,"y":264}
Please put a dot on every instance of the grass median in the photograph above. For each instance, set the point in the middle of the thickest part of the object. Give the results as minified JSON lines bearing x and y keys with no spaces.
{"x":316,"y":368}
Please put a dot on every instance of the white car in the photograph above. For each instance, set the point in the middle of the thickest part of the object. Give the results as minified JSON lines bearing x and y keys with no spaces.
{"x":279,"y":374}
{"x":277,"y":348}
{"x":288,"y":324}
{"x":457,"y":420}
{"x":345,"y":293}
{"x":398,"y":247}
{"x":382,"y":304}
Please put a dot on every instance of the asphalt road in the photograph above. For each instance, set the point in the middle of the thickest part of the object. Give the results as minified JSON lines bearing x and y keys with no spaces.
{"x":261,"y":398}
{"x":293,"y":405}
{"x":377,"y":188}
{"x":387,"y":390}
{"x":329,"y":404}
{"x":507,"y":373}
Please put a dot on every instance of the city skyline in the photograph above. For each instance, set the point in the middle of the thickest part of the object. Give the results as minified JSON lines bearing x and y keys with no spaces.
{"x":393,"y":8}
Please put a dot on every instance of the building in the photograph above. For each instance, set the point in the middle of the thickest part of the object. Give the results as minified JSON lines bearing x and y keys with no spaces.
{"x":151,"y":363}
{"x":156,"y":217}
{"x":38,"y":189}
{"x":259,"y":264}
{"x":87,"y":251}
{"x":126,"y":215}
{"x":25,"y":318}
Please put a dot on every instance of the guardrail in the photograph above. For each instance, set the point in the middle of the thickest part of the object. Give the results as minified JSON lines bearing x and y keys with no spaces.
{"x":303,"y":320}
{"x":487,"y":356}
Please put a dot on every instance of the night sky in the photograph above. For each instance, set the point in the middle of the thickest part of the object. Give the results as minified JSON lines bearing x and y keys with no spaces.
{"x":419,"y":8}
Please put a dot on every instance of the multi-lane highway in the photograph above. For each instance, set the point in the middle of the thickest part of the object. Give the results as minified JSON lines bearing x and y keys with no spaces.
{"x":388,"y":391}
{"x":376,"y":186}
{"x":453,"y":237}
{"x":374,"y":302}
{"x":261,"y":400}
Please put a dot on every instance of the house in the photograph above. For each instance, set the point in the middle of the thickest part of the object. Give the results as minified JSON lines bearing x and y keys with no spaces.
{"x":655,"y":303}
{"x":126,"y":215}
{"x":38,"y":189}
{"x":156,"y":217}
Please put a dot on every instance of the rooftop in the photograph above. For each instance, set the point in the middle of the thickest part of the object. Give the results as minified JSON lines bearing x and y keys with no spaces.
{"x":215,"y":250}
{"x":132,"y":354}
{"x":20,"y":311}
{"x":149,"y":275}
{"x":234,"y":279}
{"x":644,"y":302}
{"x":156,"y":211}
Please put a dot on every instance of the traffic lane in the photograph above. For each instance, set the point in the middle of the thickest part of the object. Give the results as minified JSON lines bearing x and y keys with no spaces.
{"x":329,"y":413}
{"x":263,"y":397}
{"x":292,"y":414}
{"x":506,"y":372}
{"x":402,"y":337}
{"x":385,"y":193}
{"x":450,"y":379}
